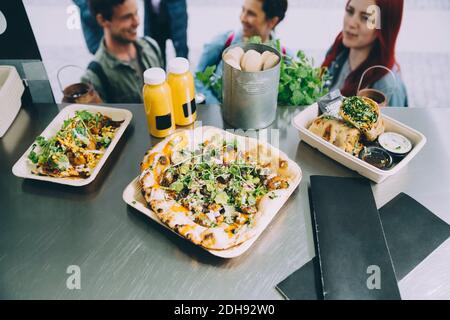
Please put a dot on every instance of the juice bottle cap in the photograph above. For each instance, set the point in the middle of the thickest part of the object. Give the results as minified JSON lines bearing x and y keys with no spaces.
{"x":154,"y":76}
{"x":178,"y":66}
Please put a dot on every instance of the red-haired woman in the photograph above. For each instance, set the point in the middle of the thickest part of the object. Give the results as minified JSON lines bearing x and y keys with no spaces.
{"x":368,"y":38}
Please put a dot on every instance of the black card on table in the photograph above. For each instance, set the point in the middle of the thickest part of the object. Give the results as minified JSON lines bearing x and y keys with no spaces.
{"x":412,"y":232}
{"x":353,"y":255}
{"x":303,"y":284}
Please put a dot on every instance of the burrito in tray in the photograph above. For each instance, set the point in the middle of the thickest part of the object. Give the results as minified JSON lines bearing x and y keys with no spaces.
{"x":364,"y":114}
{"x":337,"y":132}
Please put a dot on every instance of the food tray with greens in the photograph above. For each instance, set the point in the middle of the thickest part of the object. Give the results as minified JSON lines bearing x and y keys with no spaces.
{"x":74,"y":146}
{"x":352,"y":141}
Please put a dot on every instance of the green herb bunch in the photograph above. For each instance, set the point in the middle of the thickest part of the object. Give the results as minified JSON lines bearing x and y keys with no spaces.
{"x":300,"y":82}
{"x":211,"y":80}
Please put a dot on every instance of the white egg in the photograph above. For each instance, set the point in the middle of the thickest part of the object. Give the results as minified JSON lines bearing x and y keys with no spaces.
{"x":251,"y":61}
{"x":229,"y":56}
{"x":265,"y":55}
{"x":232,"y":63}
{"x":271,"y":61}
{"x":237,"y":53}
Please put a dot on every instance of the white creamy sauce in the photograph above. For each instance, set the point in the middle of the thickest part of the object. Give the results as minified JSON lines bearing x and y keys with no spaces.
{"x":157,"y":194}
{"x":395,"y":142}
{"x":148,"y":180}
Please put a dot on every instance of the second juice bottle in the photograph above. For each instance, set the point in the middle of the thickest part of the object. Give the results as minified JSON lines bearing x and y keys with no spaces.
{"x":181,"y":83}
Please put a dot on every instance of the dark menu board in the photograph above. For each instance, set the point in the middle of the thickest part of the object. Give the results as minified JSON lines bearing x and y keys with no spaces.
{"x":17,"y":40}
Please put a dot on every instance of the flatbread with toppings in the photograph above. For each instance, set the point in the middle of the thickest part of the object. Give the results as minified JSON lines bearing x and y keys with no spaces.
{"x":215,"y":188}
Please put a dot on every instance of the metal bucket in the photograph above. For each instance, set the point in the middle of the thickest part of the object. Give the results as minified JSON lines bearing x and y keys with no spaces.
{"x":250,"y":98}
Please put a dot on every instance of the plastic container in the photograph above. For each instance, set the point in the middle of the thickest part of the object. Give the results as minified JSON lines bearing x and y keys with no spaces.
{"x":181,"y":84}
{"x":376,"y":156}
{"x":395,"y":144}
{"x":11,"y":90}
{"x":23,"y":167}
{"x":158,"y":103}
{"x":250,"y":98}
{"x":303,"y":120}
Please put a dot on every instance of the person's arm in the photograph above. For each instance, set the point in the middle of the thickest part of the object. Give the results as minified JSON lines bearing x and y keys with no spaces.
{"x":211,"y":55}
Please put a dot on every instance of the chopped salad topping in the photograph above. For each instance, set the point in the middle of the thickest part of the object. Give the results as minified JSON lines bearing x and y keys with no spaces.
{"x":219,"y":183}
{"x":359,"y":111}
{"x":76,"y":148}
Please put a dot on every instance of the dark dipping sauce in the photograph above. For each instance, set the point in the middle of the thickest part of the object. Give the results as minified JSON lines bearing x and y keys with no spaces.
{"x":376,"y":157}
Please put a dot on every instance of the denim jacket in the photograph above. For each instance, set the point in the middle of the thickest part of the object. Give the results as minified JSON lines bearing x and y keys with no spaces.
{"x":211,"y":56}
{"x":395,"y":90}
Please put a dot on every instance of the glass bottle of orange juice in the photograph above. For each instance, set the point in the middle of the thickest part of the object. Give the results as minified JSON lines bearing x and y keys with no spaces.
{"x":158,"y":103}
{"x":181,"y":83}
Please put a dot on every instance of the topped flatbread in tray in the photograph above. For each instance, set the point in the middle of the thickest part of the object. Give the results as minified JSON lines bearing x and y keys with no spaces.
{"x":215,"y":188}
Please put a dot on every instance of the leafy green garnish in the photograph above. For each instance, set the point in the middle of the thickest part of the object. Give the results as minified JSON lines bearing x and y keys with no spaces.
{"x":33,"y":156}
{"x":251,"y":200}
{"x":52,"y":153}
{"x":66,"y":123}
{"x":84,"y":115}
{"x":211,"y":80}
{"x":255,"y":40}
{"x":105,"y":141}
{"x":221,"y":198}
{"x":359,"y":111}
{"x":300,"y":82}
{"x":177,"y":186}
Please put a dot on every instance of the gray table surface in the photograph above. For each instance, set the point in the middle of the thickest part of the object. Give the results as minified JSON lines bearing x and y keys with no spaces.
{"x":45,"y":228}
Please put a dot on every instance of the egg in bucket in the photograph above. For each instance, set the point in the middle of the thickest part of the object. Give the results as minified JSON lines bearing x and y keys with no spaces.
{"x":251,"y":75}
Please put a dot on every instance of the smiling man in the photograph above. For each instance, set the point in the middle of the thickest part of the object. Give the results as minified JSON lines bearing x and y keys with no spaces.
{"x":117,"y":70}
{"x":258,"y":18}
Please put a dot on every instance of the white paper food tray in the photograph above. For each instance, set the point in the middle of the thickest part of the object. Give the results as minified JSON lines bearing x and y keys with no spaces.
{"x":132,"y":196}
{"x":303,"y":120}
{"x":23,"y":166}
{"x":11,"y":90}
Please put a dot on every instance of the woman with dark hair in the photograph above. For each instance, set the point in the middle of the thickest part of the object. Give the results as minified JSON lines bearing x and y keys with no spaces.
{"x":258,"y":18}
{"x":367,"y":40}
